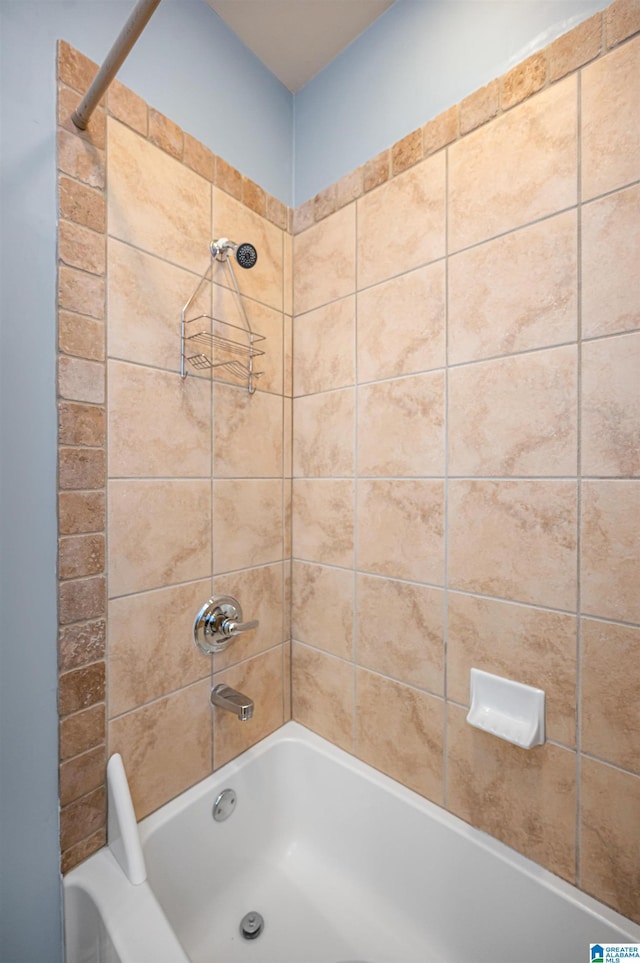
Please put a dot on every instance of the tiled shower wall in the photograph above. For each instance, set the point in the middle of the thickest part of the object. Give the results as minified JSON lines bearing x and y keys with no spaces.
{"x":170,"y":490}
{"x":466,"y":456}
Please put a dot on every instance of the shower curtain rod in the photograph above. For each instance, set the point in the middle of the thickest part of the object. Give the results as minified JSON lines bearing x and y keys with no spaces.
{"x":132,"y":29}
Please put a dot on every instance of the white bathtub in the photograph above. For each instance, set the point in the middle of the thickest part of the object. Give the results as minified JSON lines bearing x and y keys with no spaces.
{"x":343,"y":864}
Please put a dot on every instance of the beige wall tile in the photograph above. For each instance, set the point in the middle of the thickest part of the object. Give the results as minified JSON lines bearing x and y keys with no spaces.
{"x":287,"y":273}
{"x":611,"y":121}
{"x":81,"y":599}
{"x":82,"y":731}
{"x":399,"y":730}
{"x":156,"y":203}
{"x":521,"y":167}
{"x":165,"y":134}
{"x":126,"y":106}
{"x":80,"y":555}
{"x":232,"y":219}
{"x":81,"y":248}
{"x":401,"y":631}
{"x":480,"y":106}
{"x":527,"y":645}
{"x":610,"y":837}
{"x":401,"y":225}
{"x":324,"y":261}
{"x":406,"y":152}
{"x":165,"y":746}
{"x":322,"y":608}
{"x":247,"y":433}
{"x":83,"y":817}
{"x":515,"y":416}
{"x":260,"y":594}
{"x":401,"y":426}
{"x":515,"y":293}
{"x":261,"y":679}
{"x":376,"y":170}
{"x":324,"y":433}
{"x":515,"y":540}
{"x":610,"y":685}
{"x":79,"y":644}
{"x":322,"y":520}
{"x":575,"y":48}
{"x":524,"y":79}
{"x":82,"y":774}
{"x":81,"y":336}
{"x":159,"y":533}
{"x":610,"y":258}
{"x":80,"y":380}
{"x":611,"y":406}
{"x":159,"y":425}
{"x":400,"y":529}
{"x":81,"y":512}
{"x":269,"y":323}
{"x":324,"y":348}
{"x":287,"y":355}
{"x":622,"y":20}
{"x":401,"y":326}
{"x":82,"y":204}
{"x":322,"y":694}
{"x":247,"y":523}
{"x":81,"y":292}
{"x":147,"y":663}
{"x":527,"y":799}
{"x":610,"y":563}
{"x":81,"y":159}
{"x":96,"y":130}
{"x":440,"y":131}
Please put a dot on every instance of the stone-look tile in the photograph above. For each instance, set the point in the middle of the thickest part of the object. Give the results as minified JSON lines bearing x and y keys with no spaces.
{"x":80,"y":555}
{"x":74,"y":69}
{"x":159,"y":425}
{"x":287,"y":273}
{"x":165,"y":746}
{"x":155,"y":202}
{"x":376,"y":171}
{"x":80,"y":512}
{"x":515,"y":416}
{"x":524,"y":79}
{"x":322,"y":694}
{"x":254,"y":197}
{"x":527,"y":799}
{"x":81,"y":424}
{"x":199,"y":158}
{"x":322,"y":521}
{"x":263,"y":282}
{"x":325,"y":203}
{"x":575,"y":48}
{"x":262,"y":680}
{"x":96,"y":131}
{"x":145,"y":665}
{"x":81,"y":468}
{"x":610,"y":563}
{"x":82,"y":774}
{"x":82,"y":204}
{"x":81,"y":159}
{"x":406,"y":152}
{"x":247,"y":433}
{"x":479,"y":107}
{"x":159,"y":533}
{"x":260,"y":594}
{"x":287,"y":355}
{"x":515,"y":293}
{"x":515,"y":540}
{"x":521,"y":167}
{"x":87,"y":847}
{"x":304,"y":216}
{"x":81,"y":248}
{"x":611,"y":121}
{"x":287,"y":438}
{"x":277,"y":213}
{"x":610,"y":837}
{"x":324,"y":348}
{"x":268,"y":323}
{"x":401,"y":325}
{"x":80,"y":380}
{"x":82,"y":731}
{"x":409,"y":644}
{"x":412,"y":208}
{"x":81,"y":688}
{"x":228,"y":179}
{"x":323,"y":434}
{"x":611,"y":406}
{"x":527,"y":645}
{"x":286,"y":682}
{"x":81,"y":292}
{"x":81,"y":599}
{"x":401,"y":529}
{"x":165,"y":134}
{"x":610,"y":258}
{"x":80,"y":644}
{"x":622,"y":20}
{"x":401,"y":426}
{"x":83,"y":817}
{"x":324,"y":261}
{"x":399,"y":730}
{"x":349,"y":188}
{"x":287,"y":508}
{"x":81,"y":336}
{"x":247,"y":523}
{"x":322,"y":608}
{"x":610,"y":685}
{"x":146,"y":296}
{"x":127,"y":107}
{"x":440,"y":131}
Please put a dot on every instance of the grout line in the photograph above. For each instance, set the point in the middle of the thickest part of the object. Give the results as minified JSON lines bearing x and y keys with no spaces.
{"x":445,"y":598}
{"x":578,"y":736}
{"x":356,"y":394}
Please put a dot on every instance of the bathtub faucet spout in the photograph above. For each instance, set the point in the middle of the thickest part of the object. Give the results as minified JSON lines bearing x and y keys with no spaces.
{"x":227,"y":698}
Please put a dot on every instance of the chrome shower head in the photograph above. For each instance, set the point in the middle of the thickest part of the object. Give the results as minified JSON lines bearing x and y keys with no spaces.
{"x":246,"y":255}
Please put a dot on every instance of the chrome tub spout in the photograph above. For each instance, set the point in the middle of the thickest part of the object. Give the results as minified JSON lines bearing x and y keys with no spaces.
{"x":224,"y":697}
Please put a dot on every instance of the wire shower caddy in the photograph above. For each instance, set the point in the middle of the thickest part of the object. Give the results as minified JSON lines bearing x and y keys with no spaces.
{"x":209,"y":343}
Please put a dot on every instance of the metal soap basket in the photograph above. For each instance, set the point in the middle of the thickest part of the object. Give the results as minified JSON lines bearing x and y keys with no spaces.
{"x":207,"y":342}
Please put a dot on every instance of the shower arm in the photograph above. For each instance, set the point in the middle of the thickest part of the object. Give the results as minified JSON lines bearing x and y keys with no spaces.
{"x":127,"y":37}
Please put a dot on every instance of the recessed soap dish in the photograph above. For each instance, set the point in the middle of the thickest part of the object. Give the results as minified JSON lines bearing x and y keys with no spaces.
{"x":507,"y":709}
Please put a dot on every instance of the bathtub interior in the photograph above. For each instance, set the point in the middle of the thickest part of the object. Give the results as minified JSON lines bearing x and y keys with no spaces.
{"x":86,"y":936}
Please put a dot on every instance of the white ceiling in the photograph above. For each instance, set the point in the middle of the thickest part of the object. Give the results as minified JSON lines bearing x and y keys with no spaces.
{"x":295,"y":39}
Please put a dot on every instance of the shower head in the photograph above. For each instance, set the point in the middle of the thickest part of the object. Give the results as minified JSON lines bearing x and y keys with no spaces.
{"x":246,"y":255}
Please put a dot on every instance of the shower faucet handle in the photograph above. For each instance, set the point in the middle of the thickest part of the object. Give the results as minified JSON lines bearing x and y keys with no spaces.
{"x":218,"y":622}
